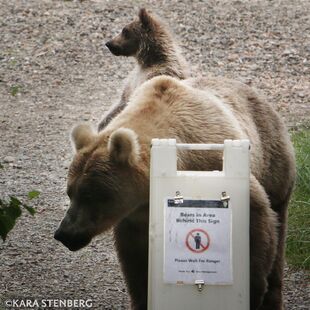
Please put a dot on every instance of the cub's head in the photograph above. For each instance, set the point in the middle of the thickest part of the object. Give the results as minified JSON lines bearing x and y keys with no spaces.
{"x":105,"y":184}
{"x":134,"y":36}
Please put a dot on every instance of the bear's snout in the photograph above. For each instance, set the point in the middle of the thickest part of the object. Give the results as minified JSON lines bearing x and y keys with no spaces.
{"x":58,"y":235}
{"x":73,"y":242}
{"x":108,"y":44}
{"x":113,"y":48}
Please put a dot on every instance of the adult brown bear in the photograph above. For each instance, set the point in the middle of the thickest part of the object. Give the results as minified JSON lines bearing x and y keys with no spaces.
{"x":108,"y":181}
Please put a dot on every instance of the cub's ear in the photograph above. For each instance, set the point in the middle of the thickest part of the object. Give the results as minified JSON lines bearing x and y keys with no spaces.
{"x":81,"y":136}
{"x":124,"y":147}
{"x":145,"y":19}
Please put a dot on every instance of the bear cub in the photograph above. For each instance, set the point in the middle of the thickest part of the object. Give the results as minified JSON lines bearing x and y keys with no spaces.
{"x":150,"y":42}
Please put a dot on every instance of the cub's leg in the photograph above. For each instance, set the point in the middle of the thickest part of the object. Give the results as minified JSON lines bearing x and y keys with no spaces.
{"x":274,"y":299}
{"x":113,"y":112}
{"x":115,"y":109}
{"x":263,"y":242}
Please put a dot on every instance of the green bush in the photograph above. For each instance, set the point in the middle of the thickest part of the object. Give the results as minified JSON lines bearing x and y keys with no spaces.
{"x":11,"y":210}
{"x":298,"y":237}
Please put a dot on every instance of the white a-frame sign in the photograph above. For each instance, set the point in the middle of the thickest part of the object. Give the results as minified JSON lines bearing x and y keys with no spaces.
{"x":199,"y":230}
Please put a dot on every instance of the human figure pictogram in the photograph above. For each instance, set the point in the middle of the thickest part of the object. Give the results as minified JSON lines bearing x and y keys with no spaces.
{"x":197,"y":239}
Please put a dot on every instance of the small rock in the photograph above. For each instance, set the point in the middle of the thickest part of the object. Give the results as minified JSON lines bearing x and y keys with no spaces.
{"x":301,"y":94}
{"x":254,"y":67}
{"x":232,"y":57}
{"x":288,"y":52}
{"x":16,"y":166}
{"x":9,"y":159}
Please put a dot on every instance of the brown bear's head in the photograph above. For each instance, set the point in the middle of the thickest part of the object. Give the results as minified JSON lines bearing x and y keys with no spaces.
{"x":143,"y":34}
{"x":105,"y":184}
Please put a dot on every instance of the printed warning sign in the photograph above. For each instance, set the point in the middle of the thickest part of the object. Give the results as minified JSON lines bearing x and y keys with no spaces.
{"x":197,"y":242}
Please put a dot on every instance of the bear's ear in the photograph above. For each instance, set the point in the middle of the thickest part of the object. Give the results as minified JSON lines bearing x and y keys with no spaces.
{"x":81,"y":136}
{"x":145,"y":19}
{"x":124,"y":147}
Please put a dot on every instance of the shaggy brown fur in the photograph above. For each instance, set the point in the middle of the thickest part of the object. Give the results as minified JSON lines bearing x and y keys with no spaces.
{"x":150,"y":42}
{"x":109,"y":178}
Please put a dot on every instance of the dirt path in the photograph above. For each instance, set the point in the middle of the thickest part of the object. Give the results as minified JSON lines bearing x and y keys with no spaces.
{"x":54,"y":73}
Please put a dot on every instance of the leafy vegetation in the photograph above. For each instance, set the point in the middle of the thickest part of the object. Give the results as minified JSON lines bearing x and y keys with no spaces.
{"x":11,"y":210}
{"x":15,"y":89}
{"x":298,"y":238}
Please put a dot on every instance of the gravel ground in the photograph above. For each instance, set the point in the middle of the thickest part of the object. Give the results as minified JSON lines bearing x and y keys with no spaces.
{"x":54,"y":73}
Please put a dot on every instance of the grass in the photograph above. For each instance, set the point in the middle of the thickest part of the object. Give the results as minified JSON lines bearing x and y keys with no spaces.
{"x":298,"y":237}
{"x":15,"y":89}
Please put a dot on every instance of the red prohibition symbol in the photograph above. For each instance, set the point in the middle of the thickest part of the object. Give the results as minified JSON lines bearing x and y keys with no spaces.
{"x":197,"y":240}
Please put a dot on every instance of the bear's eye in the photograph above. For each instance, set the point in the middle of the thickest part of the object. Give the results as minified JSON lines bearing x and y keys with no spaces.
{"x":125,"y":33}
{"x":70,"y":192}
